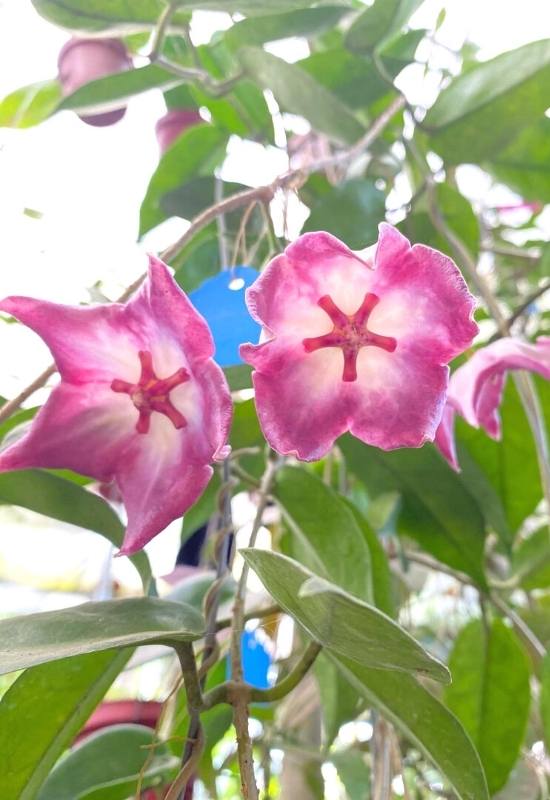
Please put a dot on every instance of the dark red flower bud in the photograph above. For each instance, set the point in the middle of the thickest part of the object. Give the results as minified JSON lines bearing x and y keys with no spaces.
{"x":173,"y":124}
{"x":83,"y":60}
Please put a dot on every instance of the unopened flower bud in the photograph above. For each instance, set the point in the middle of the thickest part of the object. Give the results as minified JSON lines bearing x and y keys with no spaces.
{"x":83,"y":60}
{"x":173,"y":124}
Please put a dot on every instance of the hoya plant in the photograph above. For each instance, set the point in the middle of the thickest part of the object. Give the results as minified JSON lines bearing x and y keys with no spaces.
{"x":373,"y":382}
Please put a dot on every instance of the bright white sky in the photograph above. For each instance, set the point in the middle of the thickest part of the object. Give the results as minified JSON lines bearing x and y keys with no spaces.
{"x":88,"y":182}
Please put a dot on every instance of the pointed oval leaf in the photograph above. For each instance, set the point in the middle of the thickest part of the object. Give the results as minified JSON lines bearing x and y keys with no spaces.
{"x":490,"y":695}
{"x":55,"y":700}
{"x":105,"y":15}
{"x":108,"y":764}
{"x":424,"y":721}
{"x":91,"y":627}
{"x":299,"y":93}
{"x":340,"y":622}
{"x":484,"y":108}
{"x":29,"y":105}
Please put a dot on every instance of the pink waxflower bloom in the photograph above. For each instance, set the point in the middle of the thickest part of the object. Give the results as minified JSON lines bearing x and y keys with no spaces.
{"x":355,"y":342}
{"x":140,"y":400}
{"x":83,"y":60}
{"x":476,"y":388}
{"x":173,"y":124}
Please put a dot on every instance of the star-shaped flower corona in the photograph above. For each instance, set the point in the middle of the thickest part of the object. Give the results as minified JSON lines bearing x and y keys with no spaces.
{"x":356,"y":342}
{"x":476,"y":388}
{"x":140,"y":400}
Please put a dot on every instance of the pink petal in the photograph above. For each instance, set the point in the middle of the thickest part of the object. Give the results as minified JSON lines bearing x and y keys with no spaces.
{"x":423,"y":297}
{"x":85,"y":428}
{"x":88,"y":343}
{"x":162,"y":308}
{"x":476,"y":387}
{"x":445,"y":437}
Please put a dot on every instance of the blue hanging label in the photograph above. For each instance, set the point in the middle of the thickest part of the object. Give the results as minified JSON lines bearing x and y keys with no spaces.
{"x":221,"y":302}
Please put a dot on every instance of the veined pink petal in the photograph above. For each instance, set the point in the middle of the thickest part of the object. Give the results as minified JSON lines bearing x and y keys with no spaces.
{"x":476,"y":387}
{"x":352,"y":348}
{"x":140,"y":400}
{"x":82,"y":427}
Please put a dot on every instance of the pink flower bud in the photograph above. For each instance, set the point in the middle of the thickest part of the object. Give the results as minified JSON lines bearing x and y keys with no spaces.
{"x":83,"y":60}
{"x":173,"y":124}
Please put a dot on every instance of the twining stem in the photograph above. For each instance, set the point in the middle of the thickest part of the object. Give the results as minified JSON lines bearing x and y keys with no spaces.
{"x":264,"y":194}
{"x":240,"y":694}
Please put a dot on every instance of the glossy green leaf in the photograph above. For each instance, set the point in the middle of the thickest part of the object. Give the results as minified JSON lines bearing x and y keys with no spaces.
{"x":54,"y":701}
{"x":98,"y":16}
{"x":29,"y":105}
{"x":64,"y":500}
{"x":329,"y":540}
{"x":91,"y":627}
{"x":490,"y":694}
{"x":380,"y":567}
{"x":197,"y":149}
{"x":115,"y":90}
{"x":269,"y":28}
{"x":531,"y":560}
{"x":425,"y":722}
{"x":484,"y":108}
{"x":341,"y":623}
{"x":340,"y":701}
{"x":298,"y":93}
{"x":437,"y":509}
{"x":351,"y":211}
{"x":524,"y":164}
{"x":378,"y":22}
{"x":108,"y":764}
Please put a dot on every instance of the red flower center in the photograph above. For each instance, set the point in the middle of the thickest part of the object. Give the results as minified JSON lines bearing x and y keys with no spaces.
{"x":350,"y":332}
{"x":151,"y":393}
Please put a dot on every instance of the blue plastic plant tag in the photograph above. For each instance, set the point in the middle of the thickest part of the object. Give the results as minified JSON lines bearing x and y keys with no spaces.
{"x":256,"y":660}
{"x":221,"y":302}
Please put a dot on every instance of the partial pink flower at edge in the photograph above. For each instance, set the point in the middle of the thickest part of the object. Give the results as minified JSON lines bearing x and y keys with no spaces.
{"x":476,"y":388}
{"x":140,"y":400}
{"x":355,"y":342}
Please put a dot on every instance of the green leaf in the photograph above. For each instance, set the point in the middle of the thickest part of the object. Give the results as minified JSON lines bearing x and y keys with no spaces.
{"x":192,"y":589}
{"x":115,"y":90}
{"x":425,"y":722}
{"x":338,"y":621}
{"x":51,"y":635}
{"x":329,"y":541}
{"x":340,"y":701}
{"x":105,"y":15}
{"x":64,"y":500}
{"x":490,"y":695}
{"x":457,"y":213}
{"x":380,"y":567}
{"x":248,"y":7}
{"x":107,"y":766}
{"x":54,"y":701}
{"x":483,"y":109}
{"x":298,"y":93}
{"x":201,"y":511}
{"x":353,"y":772}
{"x":531,"y":560}
{"x":524,"y":164}
{"x":191,"y":153}
{"x":269,"y":28}
{"x":351,"y":211}
{"x":511,"y":464}
{"x":29,"y":105}
{"x":378,"y":22}
{"x":545,"y":699}
{"x":437,"y":509}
